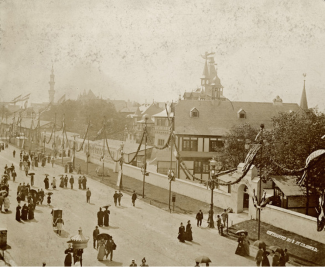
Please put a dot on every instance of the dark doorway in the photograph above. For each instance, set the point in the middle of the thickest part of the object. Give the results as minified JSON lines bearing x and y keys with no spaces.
{"x":246,"y":198}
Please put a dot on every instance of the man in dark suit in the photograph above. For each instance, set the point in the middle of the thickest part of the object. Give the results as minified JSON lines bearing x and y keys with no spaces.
{"x":134,"y":197}
{"x":133,"y":264}
{"x":95,"y":234}
{"x":199,"y":218}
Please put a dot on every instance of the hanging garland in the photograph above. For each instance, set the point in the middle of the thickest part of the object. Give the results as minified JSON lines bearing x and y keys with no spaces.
{"x":165,"y":145}
{"x":82,"y":144}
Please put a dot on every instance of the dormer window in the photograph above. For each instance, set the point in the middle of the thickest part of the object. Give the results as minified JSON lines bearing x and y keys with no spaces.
{"x":241,"y":114}
{"x":194,"y":113}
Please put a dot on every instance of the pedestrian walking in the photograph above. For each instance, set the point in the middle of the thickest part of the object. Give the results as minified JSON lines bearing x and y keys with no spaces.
{"x":219,"y":224}
{"x":120,"y":195}
{"x":24,"y":213}
{"x":18,"y":208}
{"x":32,"y":179}
{"x":188,"y":232}
{"x":115,"y":196}
{"x":144,"y":262}
{"x":61,"y":182}
{"x":49,"y":200}
{"x":110,"y":246}
{"x":78,"y":257}
{"x":181,"y":232}
{"x":14,"y":175}
{"x":100,"y":217}
{"x":133,"y":263}
{"x":21,"y":155}
{"x":101,"y":249}
{"x":95,"y":234}
{"x":66,"y":181}
{"x":106,"y":216}
{"x":42,"y":195}
{"x":265,"y":260}
{"x":53,"y":183}
{"x":26,"y":169}
{"x":224,"y":217}
{"x":286,"y":255}
{"x":30,"y":211}
{"x":199,"y":218}
{"x":33,"y":164}
{"x":79,"y":182}
{"x":6,"y":203}
{"x":68,"y":259}
{"x":71,"y":181}
{"x":1,"y":202}
{"x":259,"y":255}
{"x":134,"y":197}
{"x":59,"y":224}
{"x":20,"y":165}
{"x":84,"y":182}
{"x":52,"y":161}
{"x":14,"y":153}
{"x":88,"y":195}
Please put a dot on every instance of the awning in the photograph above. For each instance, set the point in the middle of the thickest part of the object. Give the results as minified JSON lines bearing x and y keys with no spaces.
{"x":287,"y":184}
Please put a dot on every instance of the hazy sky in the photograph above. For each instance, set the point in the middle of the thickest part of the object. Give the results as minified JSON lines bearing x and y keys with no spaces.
{"x":145,"y":49}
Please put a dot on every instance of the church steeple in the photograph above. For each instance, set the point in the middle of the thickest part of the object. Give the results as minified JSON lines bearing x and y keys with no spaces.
{"x":303,"y":101}
{"x":205,"y":75}
{"x":51,"y":82}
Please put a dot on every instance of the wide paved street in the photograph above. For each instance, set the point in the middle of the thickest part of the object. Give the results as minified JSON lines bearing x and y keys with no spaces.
{"x":141,"y":231}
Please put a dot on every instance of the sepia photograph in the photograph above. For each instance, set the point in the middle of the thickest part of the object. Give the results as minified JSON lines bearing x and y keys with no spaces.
{"x":162,"y":133}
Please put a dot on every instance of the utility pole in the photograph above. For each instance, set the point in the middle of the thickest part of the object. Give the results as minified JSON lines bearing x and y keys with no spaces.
{"x":104,"y":129}
{"x":145,"y":154}
{"x":63,"y":128}
{"x":88,"y":142}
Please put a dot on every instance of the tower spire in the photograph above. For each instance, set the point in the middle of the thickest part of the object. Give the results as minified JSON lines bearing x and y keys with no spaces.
{"x":51,"y":82}
{"x":303,"y":101}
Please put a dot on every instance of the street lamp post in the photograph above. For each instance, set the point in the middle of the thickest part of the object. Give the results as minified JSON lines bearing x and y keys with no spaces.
{"x":171,"y":177}
{"x":211,"y":183}
{"x":144,"y":170}
{"x":121,"y":164}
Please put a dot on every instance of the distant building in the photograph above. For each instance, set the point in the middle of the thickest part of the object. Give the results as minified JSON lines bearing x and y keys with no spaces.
{"x":205,"y":116}
{"x":85,"y":97}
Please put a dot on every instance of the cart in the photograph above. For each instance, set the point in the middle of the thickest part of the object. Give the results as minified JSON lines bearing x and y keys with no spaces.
{"x":56,"y":213}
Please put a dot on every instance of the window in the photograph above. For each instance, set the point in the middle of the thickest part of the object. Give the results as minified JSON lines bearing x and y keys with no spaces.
{"x":241,"y":114}
{"x":201,"y":167}
{"x":194,"y":113}
{"x":215,"y":144}
{"x":189,"y":144}
{"x":161,"y":142}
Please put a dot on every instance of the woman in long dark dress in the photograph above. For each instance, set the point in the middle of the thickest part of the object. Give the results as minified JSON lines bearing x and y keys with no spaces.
{"x":188,"y":233}
{"x":46,"y":182}
{"x":265,"y":260}
{"x":30,"y":211}
{"x":181,"y":231}
{"x":240,"y":248}
{"x":24,"y":212}
{"x":100,"y":216}
{"x":18,"y":213}
{"x":106,"y":217}
{"x":62,"y":182}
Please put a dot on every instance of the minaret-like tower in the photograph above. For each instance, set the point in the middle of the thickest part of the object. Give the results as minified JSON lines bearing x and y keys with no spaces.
{"x":303,"y":101}
{"x":51,"y":82}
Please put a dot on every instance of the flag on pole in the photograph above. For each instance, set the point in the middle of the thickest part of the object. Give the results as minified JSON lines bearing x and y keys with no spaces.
{"x":61,"y":100}
{"x":47,"y":108}
{"x":16,"y":99}
{"x":26,"y":97}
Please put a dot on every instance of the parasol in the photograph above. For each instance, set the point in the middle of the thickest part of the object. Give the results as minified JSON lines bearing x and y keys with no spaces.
{"x":33,"y":192}
{"x":276,"y":249}
{"x":46,"y":174}
{"x":31,"y":173}
{"x":106,"y":207}
{"x":241,"y":232}
{"x":259,"y":243}
{"x":104,"y":236}
{"x":49,"y":193}
{"x":3,"y":191}
{"x":79,"y":241}
{"x":202,"y":259}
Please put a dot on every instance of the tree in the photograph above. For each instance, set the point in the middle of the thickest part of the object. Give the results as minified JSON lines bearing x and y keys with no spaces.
{"x":77,"y":114}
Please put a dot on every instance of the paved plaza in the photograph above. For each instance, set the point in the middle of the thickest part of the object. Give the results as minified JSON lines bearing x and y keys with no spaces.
{"x":141,"y":231}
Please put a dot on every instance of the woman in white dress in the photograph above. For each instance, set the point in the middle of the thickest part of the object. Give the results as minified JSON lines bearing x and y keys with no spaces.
{"x":6,"y":203}
{"x":54,"y":183}
{"x":59,"y":225}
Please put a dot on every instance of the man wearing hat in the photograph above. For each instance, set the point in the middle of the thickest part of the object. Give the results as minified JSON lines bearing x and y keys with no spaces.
{"x":143,"y":262}
{"x":133,"y":263}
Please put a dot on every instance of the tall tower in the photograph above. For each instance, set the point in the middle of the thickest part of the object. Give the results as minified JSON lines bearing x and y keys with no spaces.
{"x":51,"y":91}
{"x":303,"y":101}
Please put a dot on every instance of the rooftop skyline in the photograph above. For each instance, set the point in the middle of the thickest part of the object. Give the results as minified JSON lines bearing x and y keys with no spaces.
{"x":145,"y":50}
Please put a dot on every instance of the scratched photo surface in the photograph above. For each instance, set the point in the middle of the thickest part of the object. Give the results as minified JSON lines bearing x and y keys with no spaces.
{"x":119,"y":115}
